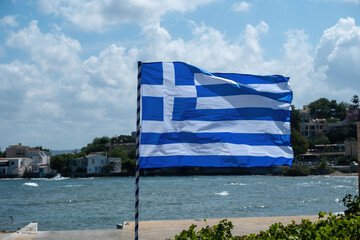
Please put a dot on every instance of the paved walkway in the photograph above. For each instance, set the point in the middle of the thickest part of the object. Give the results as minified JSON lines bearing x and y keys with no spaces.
{"x":155,"y":230}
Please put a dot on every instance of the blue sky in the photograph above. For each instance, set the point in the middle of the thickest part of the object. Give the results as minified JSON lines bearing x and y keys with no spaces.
{"x":68,"y":68}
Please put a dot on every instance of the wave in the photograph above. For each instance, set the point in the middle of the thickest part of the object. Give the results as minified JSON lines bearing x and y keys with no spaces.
{"x":8,"y":179}
{"x":79,"y":185}
{"x":235,"y":184}
{"x":223,"y":193}
{"x":58,"y":177}
{"x":31,"y":184}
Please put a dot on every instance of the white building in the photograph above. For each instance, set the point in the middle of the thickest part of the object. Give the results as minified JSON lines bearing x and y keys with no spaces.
{"x":116,"y":163}
{"x":96,"y":163}
{"x":15,"y":166}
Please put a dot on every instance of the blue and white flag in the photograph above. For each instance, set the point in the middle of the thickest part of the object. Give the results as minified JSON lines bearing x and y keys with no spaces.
{"x":191,"y":117}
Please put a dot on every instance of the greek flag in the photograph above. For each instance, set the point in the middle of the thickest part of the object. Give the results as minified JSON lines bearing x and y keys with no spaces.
{"x":190,"y":117}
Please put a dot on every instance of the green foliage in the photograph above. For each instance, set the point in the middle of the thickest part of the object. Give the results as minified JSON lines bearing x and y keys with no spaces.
{"x":323,"y":164}
{"x":60,"y":162}
{"x":299,"y":143}
{"x":2,"y":154}
{"x":323,"y":108}
{"x":98,"y":145}
{"x":346,"y":159}
{"x":118,"y":152}
{"x":108,"y":168}
{"x":222,"y":230}
{"x":297,"y":170}
{"x":128,"y":165}
{"x":122,"y":139}
{"x":353,"y":205}
{"x":43,"y":149}
{"x":328,"y":227}
{"x":354,"y":102}
{"x":295,"y":118}
{"x":318,"y":141}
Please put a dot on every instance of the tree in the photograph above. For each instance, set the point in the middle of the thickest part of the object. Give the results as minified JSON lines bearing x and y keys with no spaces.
{"x":355,"y":102}
{"x":128,"y":165}
{"x":43,"y":149}
{"x":340,"y":112}
{"x":323,"y":108}
{"x":299,"y":143}
{"x":295,"y":118}
{"x":320,"y":108}
{"x":2,"y":154}
{"x":60,"y":162}
{"x":98,"y":145}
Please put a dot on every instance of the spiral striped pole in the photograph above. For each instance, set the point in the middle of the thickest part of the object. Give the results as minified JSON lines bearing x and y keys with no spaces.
{"x":358,"y":153}
{"x":137,"y":171}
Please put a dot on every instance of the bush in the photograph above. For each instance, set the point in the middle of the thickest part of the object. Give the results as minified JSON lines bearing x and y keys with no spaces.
{"x":333,"y":227}
{"x":296,"y":170}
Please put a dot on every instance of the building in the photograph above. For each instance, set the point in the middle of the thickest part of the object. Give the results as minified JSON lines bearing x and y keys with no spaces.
{"x":115,"y":163}
{"x":14,"y":151}
{"x":22,"y":160}
{"x":330,"y":151}
{"x":314,"y":127}
{"x":16,"y":167}
{"x":305,"y":114}
{"x":78,"y":165}
{"x":352,"y":115}
{"x":351,"y":148}
{"x":95,"y":163}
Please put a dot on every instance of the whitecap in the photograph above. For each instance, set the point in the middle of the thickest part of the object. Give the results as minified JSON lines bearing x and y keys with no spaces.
{"x":79,"y":185}
{"x":235,"y":184}
{"x":58,"y":177}
{"x":31,"y":184}
{"x":223,"y":193}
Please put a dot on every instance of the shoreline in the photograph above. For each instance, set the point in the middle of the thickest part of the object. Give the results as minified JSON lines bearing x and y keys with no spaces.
{"x":334,"y":173}
{"x":154,"y":230}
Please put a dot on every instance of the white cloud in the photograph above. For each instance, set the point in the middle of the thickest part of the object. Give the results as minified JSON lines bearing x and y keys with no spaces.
{"x":339,"y":53}
{"x":241,"y":7}
{"x":95,"y":15}
{"x":59,"y":94}
{"x":208,"y":48}
{"x":53,"y":52}
{"x":9,"y":20}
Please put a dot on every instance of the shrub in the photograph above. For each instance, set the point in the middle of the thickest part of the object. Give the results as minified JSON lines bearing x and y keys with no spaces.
{"x":297,"y":170}
{"x":333,"y":227}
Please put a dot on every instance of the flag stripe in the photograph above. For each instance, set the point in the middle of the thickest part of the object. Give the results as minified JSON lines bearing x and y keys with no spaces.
{"x":185,"y":109}
{"x":195,"y":118}
{"x":253,"y":101}
{"x":231,"y":89}
{"x":253,"y":79}
{"x":194,"y":149}
{"x":254,"y":139}
{"x":238,"y":126}
{"x":212,"y":161}
{"x":280,"y":87}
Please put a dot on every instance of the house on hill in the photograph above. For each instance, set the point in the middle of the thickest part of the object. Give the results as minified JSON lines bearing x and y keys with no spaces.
{"x":95,"y":163}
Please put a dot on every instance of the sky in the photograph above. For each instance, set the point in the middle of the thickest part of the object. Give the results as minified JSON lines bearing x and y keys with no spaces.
{"x":68,"y":69}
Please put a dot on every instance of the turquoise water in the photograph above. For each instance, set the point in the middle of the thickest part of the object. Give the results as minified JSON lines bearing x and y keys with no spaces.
{"x":101,"y":203}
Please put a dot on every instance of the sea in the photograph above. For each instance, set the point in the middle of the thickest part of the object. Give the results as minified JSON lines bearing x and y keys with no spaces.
{"x":101,"y":203}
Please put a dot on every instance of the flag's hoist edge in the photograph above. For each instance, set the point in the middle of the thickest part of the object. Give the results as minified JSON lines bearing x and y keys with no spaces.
{"x":191,"y":117}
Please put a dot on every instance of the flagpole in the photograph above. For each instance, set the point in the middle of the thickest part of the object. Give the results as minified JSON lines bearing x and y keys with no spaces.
{"x":358,"y":153}
{"x":137,"y":171}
